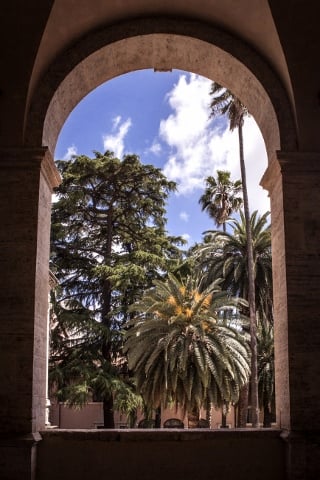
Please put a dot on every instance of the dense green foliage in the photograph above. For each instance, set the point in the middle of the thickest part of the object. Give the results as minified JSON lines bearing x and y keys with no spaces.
{"x":186,"y":338}
{"x":224,"y":255}
{"x":108,"y":243}
{"x":187,"y":347}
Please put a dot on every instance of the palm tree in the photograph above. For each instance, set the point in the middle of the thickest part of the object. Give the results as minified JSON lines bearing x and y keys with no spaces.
{"x":221,"y":197}
{"x":185,"y":347}
{"x":224,"y":255}
{"x":266,"y":371}
{"x":223,"y":102}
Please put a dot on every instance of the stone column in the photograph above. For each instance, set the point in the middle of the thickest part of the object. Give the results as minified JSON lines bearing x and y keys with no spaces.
{"x":293,"y":180}
{"x":52,"y":284}
{"x":27,"y":177}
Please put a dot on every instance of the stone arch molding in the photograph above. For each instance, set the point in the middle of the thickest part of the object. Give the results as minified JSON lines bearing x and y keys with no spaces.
{"x":161,"y":44}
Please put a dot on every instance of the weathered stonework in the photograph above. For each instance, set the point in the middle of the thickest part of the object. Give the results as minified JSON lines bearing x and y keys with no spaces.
{"x":26,"y":182}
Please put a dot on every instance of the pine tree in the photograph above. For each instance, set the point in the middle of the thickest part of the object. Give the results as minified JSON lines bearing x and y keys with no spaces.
{"x":108,"y":243}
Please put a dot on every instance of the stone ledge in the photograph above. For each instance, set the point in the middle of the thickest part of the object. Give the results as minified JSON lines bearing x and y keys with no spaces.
{"x":7,"y":440}
{"x":161,"y":435}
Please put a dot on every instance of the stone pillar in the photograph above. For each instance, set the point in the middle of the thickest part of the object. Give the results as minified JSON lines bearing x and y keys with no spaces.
{"x":293,"y":180}
{"x":52,"y":284}
{"x":27,"y":177}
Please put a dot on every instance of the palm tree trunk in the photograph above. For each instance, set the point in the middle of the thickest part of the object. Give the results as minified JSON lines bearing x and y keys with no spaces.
{"x":267,"y":416}
{"x":108,"y":417}
{"x":193,"y":418}
{"x":224,"y":413}
{"x":158,"y":418}
{"x":208,"y":412}
{"x":251,"y":288}
{"x":242,"y":407}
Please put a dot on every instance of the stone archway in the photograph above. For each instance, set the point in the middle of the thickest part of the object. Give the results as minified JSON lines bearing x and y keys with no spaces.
{"x":164,"y":44}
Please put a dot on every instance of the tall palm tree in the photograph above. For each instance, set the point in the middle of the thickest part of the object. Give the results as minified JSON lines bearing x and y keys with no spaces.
{"x":224,"y":255}
{"x":221,"y":197}
{"x":266,"y":371}
{"x":223,"y":102}
{"x":185,"y":346}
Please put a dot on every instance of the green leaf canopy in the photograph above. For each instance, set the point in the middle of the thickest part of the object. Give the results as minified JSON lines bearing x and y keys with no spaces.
{"x":185,"y":346}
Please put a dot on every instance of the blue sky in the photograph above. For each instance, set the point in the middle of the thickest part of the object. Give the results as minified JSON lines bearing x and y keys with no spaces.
{"x":164,"y":118}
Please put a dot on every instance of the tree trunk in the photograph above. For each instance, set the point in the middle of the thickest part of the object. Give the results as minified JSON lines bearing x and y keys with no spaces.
{"x":267,"y":416}
{"x":157,"y":423}
{"x":193,"y":418}
{"x":224,"y":413}
{"x":208,"y":412}
{"x":251,"y":288}
{"x":108,"y":418}
{"x":223,"y":419}
{"x":243,"y":407}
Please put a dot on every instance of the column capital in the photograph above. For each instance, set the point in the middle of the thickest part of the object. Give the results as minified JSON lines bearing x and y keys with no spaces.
{"x":299,"y":163}
{"x":286,"y":164}
{"x":29,"y":158}
{"x":272,"y":172}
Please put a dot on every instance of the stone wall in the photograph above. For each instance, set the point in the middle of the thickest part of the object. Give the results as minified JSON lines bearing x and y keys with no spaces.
{"x":145,"y":455}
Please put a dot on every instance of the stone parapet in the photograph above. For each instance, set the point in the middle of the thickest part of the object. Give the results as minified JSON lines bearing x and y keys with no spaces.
{"x":158,"y":454}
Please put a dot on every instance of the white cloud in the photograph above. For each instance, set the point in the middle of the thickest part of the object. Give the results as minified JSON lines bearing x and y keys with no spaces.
{"x":155,"y":148}
{"x":115,"y":142}
{"x":115,"y":122}
{"x":184,"y":216}
{"x":256,"y":164}
{"x":70,"y":152}
{"x":199,"y":148}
